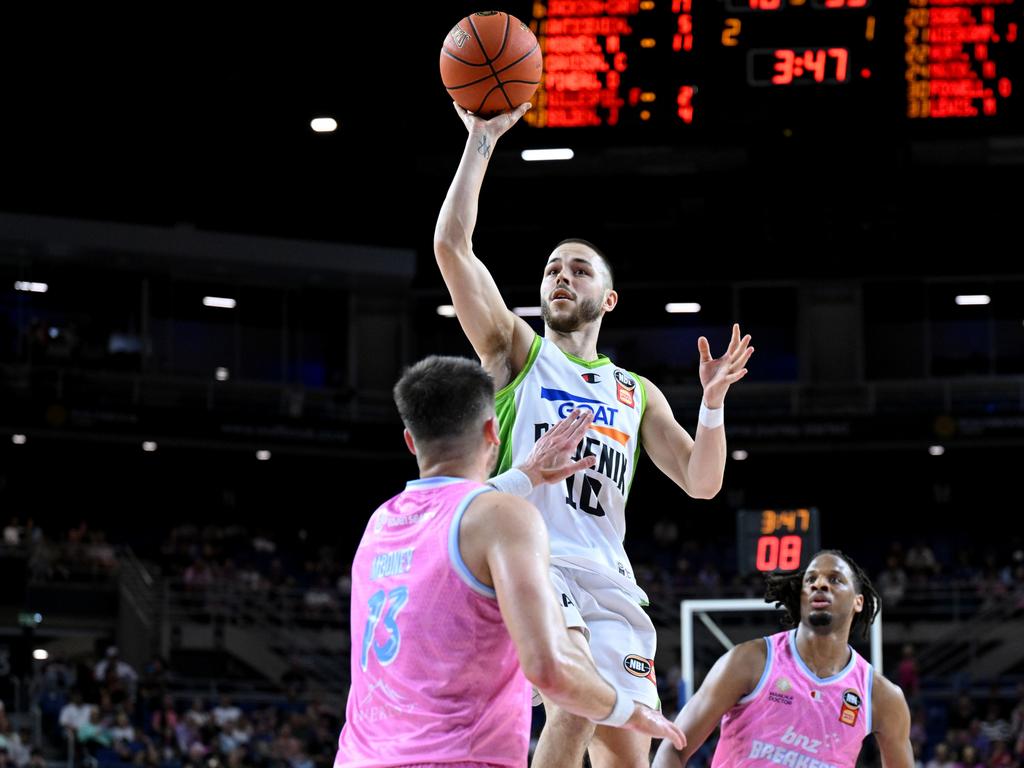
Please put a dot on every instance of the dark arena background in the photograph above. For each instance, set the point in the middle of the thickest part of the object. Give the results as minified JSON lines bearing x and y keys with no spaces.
{"x":204,"y":304}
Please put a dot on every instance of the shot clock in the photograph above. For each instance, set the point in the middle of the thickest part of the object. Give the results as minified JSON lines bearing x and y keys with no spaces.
{"x":776,"y":540}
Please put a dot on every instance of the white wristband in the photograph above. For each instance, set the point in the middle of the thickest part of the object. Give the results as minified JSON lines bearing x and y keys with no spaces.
{"x":621,"y":712}
{"x":711,"y":417}
{"x":512,"y":481}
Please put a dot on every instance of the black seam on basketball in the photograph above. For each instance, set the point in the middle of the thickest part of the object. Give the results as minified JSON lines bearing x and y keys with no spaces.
{"x":462,"y":61}
{"x":466,"y":85}
{"x":504,"y":40}
{"x":479,"y":42}
{"x":486,"y":97}
{"x":519,"y":60}
{"x":489,"y":64}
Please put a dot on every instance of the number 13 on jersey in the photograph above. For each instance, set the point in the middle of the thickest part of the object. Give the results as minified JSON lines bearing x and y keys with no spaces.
{"x":387,"y":605}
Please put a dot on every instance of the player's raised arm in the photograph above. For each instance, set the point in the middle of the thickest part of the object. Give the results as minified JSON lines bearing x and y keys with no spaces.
{"x":500,"y":338}
{"x":732,"y":677}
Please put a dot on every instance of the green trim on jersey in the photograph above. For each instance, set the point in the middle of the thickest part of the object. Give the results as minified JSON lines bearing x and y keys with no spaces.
{"x":643,"y":407}
{"x":601,"y":359}
{"x":505,"y":408}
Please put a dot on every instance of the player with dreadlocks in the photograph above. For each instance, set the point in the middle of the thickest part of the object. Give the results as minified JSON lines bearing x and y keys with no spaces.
{"x":803,"y":697}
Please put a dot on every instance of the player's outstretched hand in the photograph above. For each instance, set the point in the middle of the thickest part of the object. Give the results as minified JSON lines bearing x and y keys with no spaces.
{"x":550,"y":461}
{"x":718,"y":374}
{"x":653,"y":723}
{"x":494,"y":128}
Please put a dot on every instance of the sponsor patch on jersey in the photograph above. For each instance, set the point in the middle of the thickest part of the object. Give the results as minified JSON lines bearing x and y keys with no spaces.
{"x":591,"y":378}
{"x":625,"y":388}
{"x":779,"y":696}
{"x":625,"y":395}
{"x":638,"y":666}
{"x":851,"y":707}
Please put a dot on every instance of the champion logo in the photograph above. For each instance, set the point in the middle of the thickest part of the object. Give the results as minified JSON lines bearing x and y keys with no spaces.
{"x":591,"y":378}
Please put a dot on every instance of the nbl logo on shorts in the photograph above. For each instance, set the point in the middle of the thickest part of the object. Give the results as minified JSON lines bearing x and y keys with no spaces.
{"x":638,"y":666}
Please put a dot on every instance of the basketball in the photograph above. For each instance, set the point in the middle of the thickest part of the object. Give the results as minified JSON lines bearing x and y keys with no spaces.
{"x":490,"y":62}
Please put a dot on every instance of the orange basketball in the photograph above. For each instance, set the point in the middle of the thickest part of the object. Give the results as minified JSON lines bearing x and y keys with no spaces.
{"x":490,"y":62}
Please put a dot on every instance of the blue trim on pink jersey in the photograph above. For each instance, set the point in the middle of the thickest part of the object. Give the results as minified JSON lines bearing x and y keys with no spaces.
{"x":871,"y":688}
{"x":764,"y":675}
{"x":807,"y":670}
{"x":455,"y":554}
{"x":432,"y":482}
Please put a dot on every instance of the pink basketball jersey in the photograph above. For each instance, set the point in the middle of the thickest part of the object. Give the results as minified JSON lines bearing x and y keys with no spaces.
{"x":795,"y":718}
{"x":435,"y":676}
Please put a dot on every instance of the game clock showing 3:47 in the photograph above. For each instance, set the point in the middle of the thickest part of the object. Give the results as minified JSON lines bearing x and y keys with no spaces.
{"x":776,"y":540}
{"x":784,"y":66}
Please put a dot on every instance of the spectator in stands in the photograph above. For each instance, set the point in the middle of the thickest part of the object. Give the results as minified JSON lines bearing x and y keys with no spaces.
{"x":75,"y":714}
{"x":122,"y":729}
{"x":319,"y":601}
{"x":11,"y":745}
{"x":892,"y":583}
{"x":196,"y":715}
{"x":962,"y":715}
{"x":1017,"y":715}
{"x":225,"y":713}
{"x":976,"y":738}
{"x":166,"y":717}
{"x":941,"y":758}
{"x":122,"y":669}
{"x":921,"y":562}
{"x":969,"y":758}
{"x":93,"y":732}
{"x":198,"y":576}
{"x":995,"y":726}
{"x":1001,"y":757}
{"x":908,"y":675}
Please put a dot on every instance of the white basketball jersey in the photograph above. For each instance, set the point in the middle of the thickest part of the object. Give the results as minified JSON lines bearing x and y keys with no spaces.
{"x":585,"y":514}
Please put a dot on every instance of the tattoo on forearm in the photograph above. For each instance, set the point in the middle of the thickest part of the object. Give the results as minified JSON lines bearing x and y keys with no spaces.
{"x":484,"y":148}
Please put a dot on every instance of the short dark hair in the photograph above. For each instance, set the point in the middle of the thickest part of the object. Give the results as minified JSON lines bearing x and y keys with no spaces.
{"x":595,"y":249}
{"x":443,"y":397}
{"x":785,"y":589}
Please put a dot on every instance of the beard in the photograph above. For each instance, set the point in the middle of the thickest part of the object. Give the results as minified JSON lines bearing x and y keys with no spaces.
{"x":820,"y":619}
{"x":586,"y":311}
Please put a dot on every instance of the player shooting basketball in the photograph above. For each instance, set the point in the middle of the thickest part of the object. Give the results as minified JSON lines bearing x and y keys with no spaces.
{"x":540,"y":378}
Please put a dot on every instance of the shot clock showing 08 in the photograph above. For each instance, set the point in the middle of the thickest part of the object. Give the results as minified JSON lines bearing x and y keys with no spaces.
{"x":776,"y":540}
{"x":840,"y":65}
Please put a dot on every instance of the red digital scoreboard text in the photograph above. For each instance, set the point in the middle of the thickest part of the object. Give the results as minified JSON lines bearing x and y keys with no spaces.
{"x":708,"y":62}
{"x":771,"y":540}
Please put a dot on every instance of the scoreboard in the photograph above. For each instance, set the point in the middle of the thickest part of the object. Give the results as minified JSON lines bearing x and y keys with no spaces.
{"x":727,"y":65}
